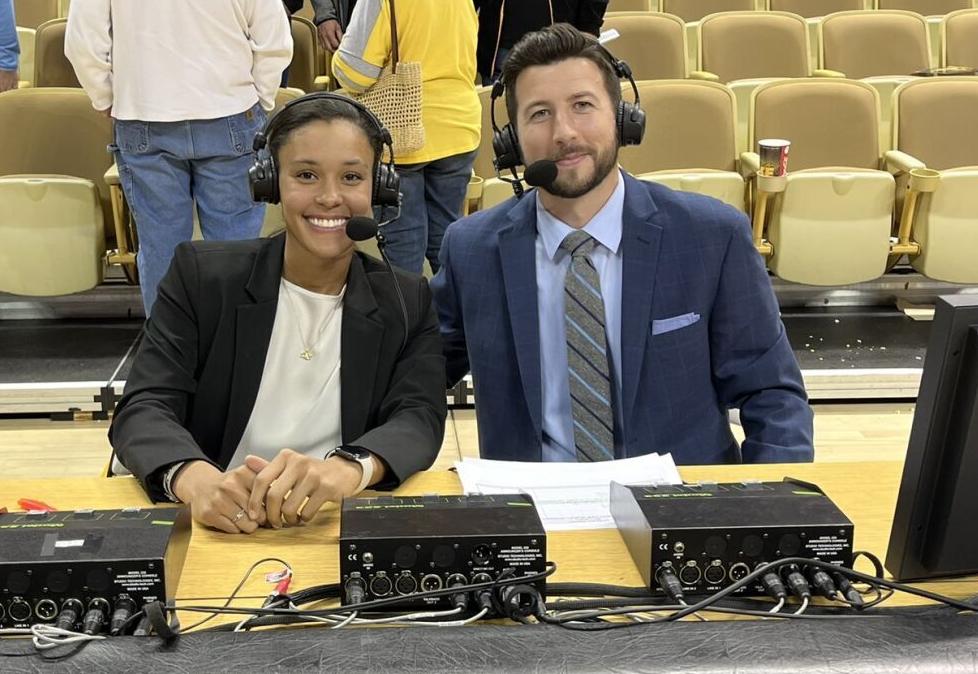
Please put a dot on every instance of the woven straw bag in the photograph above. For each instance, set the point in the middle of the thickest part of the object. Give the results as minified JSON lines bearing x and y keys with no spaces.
{"x":396,"y":98}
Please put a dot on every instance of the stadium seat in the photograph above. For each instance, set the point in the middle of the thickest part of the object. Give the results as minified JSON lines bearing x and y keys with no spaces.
{"x":653,"y":44}
{"x":51,"y":67}
{"x":632,"y":5}
{"x":926,"y":7}
{"x":934,"y":10}
{"x":32,"y":13}
{"x":874,"y":43}
{"x":745,"y":49}
{"x":883,"y":47}
{"x":959,"y":39}
{"x":694,"y":10}
{"x":811,"y":9}
{"x":690,"y":142}
{"x":25,"y":38}
{"x":830,"y":217}
{"x":933,"y":129}
{"x":306,"y":62}
{"x":56,"y":211}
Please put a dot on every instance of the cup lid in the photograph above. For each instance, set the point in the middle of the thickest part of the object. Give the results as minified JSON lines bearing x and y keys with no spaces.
{"x":774,"y":142}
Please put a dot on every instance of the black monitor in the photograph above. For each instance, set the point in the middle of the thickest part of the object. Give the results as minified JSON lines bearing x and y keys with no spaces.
{"x":936,"y":519}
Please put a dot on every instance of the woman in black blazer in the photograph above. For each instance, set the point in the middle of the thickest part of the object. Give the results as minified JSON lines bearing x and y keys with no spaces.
{"x":219,"y":331}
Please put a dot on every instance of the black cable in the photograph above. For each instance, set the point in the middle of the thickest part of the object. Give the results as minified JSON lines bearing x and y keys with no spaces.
{"x":710,"y":601}
{"x":499,"y":582}
{"x":234,"y":592}
{"x":382,"y":247}
{"x":594,"y":590}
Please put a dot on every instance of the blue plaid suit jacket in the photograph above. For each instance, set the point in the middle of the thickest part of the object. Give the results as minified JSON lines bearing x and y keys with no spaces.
{"x":701,"y":332}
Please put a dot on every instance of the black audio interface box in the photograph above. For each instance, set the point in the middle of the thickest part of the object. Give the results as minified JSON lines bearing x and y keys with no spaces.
{"x":97,"y":558}
{"x":711,"y":535}
{"x":394,"y":545}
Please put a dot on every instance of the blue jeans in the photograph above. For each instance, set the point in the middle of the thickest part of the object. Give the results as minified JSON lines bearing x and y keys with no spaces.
{"x":165,"y":167}
{"x":432,"y":195}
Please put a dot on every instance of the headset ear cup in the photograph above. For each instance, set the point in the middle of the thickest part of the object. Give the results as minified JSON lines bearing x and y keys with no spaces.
{"x":263,"y":178}
{"x":506,"y":148}
{"x":387,"y":186}
{"x":631,"y":124}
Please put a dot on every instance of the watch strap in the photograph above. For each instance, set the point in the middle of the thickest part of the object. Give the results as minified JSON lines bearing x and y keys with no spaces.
{"x":361,"y":456}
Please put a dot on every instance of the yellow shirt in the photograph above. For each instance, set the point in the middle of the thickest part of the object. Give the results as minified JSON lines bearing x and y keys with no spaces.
{"x":441,"y":35}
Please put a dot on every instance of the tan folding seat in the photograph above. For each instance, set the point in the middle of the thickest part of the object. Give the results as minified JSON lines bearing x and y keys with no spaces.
{"x":51,"y":67}
{"x":883,"y":47}
{"x":745,"y":49}
{"x":746,"y":45}
{"x":926,"y":7}
{"x":690,"y":142}
{"x":933,"y":128}
{"x":653,"y":45}
{"x":934,"y":10}
{"x":691,"y":11}
{"x":307,"y":11}
{"x":829,"y":219}
{"x":959,"y":38}
{"x":25,"y":38}
{"x":874,"y":43}
{"x":32,"y":13}
{"x":306,"y":63}
{"x":694,"y":10}
{"x":811,"y":9}
{"x":632,"y":6}
{"x":56,"y":209}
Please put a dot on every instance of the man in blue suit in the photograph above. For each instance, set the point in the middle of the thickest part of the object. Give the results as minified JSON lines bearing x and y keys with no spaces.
{"x":635,"y":337}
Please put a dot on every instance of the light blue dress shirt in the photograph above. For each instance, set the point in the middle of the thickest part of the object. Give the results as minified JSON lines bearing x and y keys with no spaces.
{"x":552,"y":265}
{"x":9,"y":46}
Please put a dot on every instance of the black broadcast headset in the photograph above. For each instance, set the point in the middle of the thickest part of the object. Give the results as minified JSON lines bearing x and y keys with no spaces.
{"x":263,"y":175}
{"x":630,"y":120}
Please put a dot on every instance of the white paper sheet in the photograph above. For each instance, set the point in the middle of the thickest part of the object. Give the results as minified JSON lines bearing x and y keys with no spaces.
{"x":567,"y":495}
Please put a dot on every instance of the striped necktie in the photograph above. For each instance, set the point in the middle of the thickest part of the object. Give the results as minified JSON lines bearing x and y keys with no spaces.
{"x":587,"y":353}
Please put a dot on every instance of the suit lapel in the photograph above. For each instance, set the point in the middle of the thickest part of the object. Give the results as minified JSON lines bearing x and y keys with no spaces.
{"x":641,"y":239}
{"x":252,"y":334}
{"x":361,"y":339}
{"x":518,"y":262}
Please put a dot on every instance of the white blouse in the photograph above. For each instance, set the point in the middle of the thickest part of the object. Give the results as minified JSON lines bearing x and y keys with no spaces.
{"x":298,"y":403}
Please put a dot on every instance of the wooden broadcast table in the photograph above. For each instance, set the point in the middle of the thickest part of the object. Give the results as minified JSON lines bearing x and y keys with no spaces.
{"x":216,"y":562}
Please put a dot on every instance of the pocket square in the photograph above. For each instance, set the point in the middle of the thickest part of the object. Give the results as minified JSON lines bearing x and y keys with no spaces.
{"x":663,"y":325}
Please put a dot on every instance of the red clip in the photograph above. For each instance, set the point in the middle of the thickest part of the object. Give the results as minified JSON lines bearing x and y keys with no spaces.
{"x":34,"y":504}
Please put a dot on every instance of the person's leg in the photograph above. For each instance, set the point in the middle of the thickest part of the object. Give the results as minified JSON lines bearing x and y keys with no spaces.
{"x":222,"y":156}
{"x":446,"y":182}
{"x":406,"y":236}
{"x":155,"y":177}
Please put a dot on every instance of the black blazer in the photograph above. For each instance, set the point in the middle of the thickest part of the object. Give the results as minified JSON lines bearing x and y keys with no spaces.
{"x":196,"y":375}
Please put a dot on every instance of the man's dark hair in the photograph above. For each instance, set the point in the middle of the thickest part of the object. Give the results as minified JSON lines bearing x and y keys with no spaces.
{"x":553,"y":44}
{"x":287,"y":121}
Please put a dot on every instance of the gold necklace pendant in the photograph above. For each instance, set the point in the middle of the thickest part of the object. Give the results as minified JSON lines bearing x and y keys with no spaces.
{"x":306,"y":354}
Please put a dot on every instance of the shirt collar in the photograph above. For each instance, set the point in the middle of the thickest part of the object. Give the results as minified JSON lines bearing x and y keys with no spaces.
{"x":604,"y":227}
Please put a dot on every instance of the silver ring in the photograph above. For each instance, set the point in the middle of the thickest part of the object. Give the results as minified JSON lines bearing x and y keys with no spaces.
{"x":241,"y":513}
